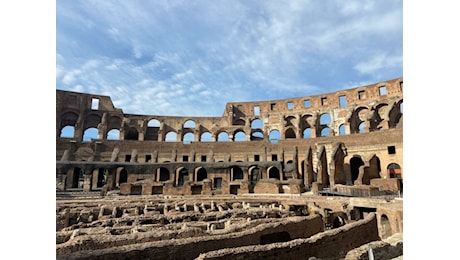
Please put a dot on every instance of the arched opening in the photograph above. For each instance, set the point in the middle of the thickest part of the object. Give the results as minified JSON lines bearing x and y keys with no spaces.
{"x":254,"y":177}
{"x":325,"y":119}
{"x":290,"y":134}
{"x":201,"y":174}
{"x":90,"y":133}
{"x":355,"y":163}
{"x":182,"y":177}
{"x":342,"y":129}
{"x":206,"y":137}
{"x":113,"y":134}
{"x":100,"y":178}
{"x":325,"y":131}
{"x":361,"y":127}
{"x":188,"y":138}
{"x":132,"y":134}
{"x":257,"y":135}
{"x":237,"y":173}
{"x":273,"y":173}
{"x":394,"y":170}
{"x":78,"y":178}
{"x":385,"y":227}
{"x":239,"y":136}
{"x":67,"y":132}
{"x":274,"y":136}
{"x":189,"y":124}
{"x":289,"y":121}
{"x":123,"y":177}
{"x":153,"y":128}
{"x":171,"y":137}
{"x":257,"y":124}
{"x":164,"y":174}
{"x":338,"y":222}
{"x":307,"y":133}
{"x":222,"y":137}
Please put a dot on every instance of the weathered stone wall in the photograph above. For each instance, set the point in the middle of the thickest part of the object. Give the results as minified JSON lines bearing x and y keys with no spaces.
{"x":189,"y":248}
{"x":332,"y":244}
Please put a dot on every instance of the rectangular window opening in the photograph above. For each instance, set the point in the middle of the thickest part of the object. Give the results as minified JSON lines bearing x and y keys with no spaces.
{"x":306,"y":103}
{"x":185,"y":158}
{"x":361,"y":94}
{"x":272,"y":106}
{"x":256,"y":158}
{"x":401,"y":85}
{"x":274,"y":157}
{"x":203,"y":158}
{"x":148,"y":158}
{"x":391,"y":149}
{"x":217,"y":183}
{"x":290,"y":105}
{"x":382,"y":90}
{"x":95,"y":103}
{"x":128,"y":158}
{"x":343,"y":101}
{"x":257,"y":111}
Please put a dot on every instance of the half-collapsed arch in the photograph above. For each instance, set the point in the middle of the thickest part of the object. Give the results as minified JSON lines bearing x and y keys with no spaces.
{"x":69,"y":118}
{"x":92,"y":121}
{"x":358,"y":116}
{"x":325,"y":131}
{"x":290,"y":121}
{"x":257,"y":135}
{"x":307,"y":133}
{"x":154,"y":123}
{"x":342,"y":129}
{"x":254,"y":176}
{"x":153,"y":129}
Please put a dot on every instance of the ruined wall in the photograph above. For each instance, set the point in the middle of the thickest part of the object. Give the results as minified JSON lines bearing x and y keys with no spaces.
{"x":189,"y":248}
{"x":330,"y":244}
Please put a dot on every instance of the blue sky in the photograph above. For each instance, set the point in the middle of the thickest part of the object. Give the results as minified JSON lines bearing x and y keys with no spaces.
{"x":189,"y":58}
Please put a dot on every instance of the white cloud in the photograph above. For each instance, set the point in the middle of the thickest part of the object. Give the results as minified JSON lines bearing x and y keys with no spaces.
{"x":378,"y":62}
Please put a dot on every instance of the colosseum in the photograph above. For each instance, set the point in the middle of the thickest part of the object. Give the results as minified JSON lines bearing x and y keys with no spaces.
{"x":311,"y":177}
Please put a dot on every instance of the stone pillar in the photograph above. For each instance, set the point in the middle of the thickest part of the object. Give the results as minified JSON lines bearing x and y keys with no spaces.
{"x":61,"y":181}
{"x":87,"y":183}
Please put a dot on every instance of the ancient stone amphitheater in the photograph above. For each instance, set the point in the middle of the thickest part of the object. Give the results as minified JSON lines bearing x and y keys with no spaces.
{"x":312,"y":177}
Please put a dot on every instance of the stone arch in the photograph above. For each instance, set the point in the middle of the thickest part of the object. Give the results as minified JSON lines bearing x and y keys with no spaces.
{"x":322,"y":171}
{"x":236,"y":173}
{"x":206,"y":137}
{"x":394,"y":170}
{"x":395,"y":114}
{"x":342,"y":129}
{"x":239,"y":122}
{"x":273,"y":173}
{"x":92,"y":121}
{"x":289,"y":133}
{"x":181,"y":176}
{"x":257,"y":124}
{"x":113,"y":134}
{"x":239,"y":135}
{"x":131,"y":134}
{"x":307,"y":133}
{"x":255,"y":174}
{"x":355,"y":163}
{"x":201,"y":174}
{"x":188,"y":138}
{"x":153,"y":130}
{"x":274,"y":136}
{"x":257,"y":135}
{"x":90,"y":133}
{"x":189,"y":124}
{"x":358,"y":116}
{"x":222,"y":136}
{"x":325,"y":131}
{"x":337,"y":165}
{"x":171,"y":136}
{"x":123,"y":176}
{"x":67,"y":132}
{"x":163,"y":174}
{"x":290,"y":121}
{"x":114,"y":122}
{"x":385,"y":227}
